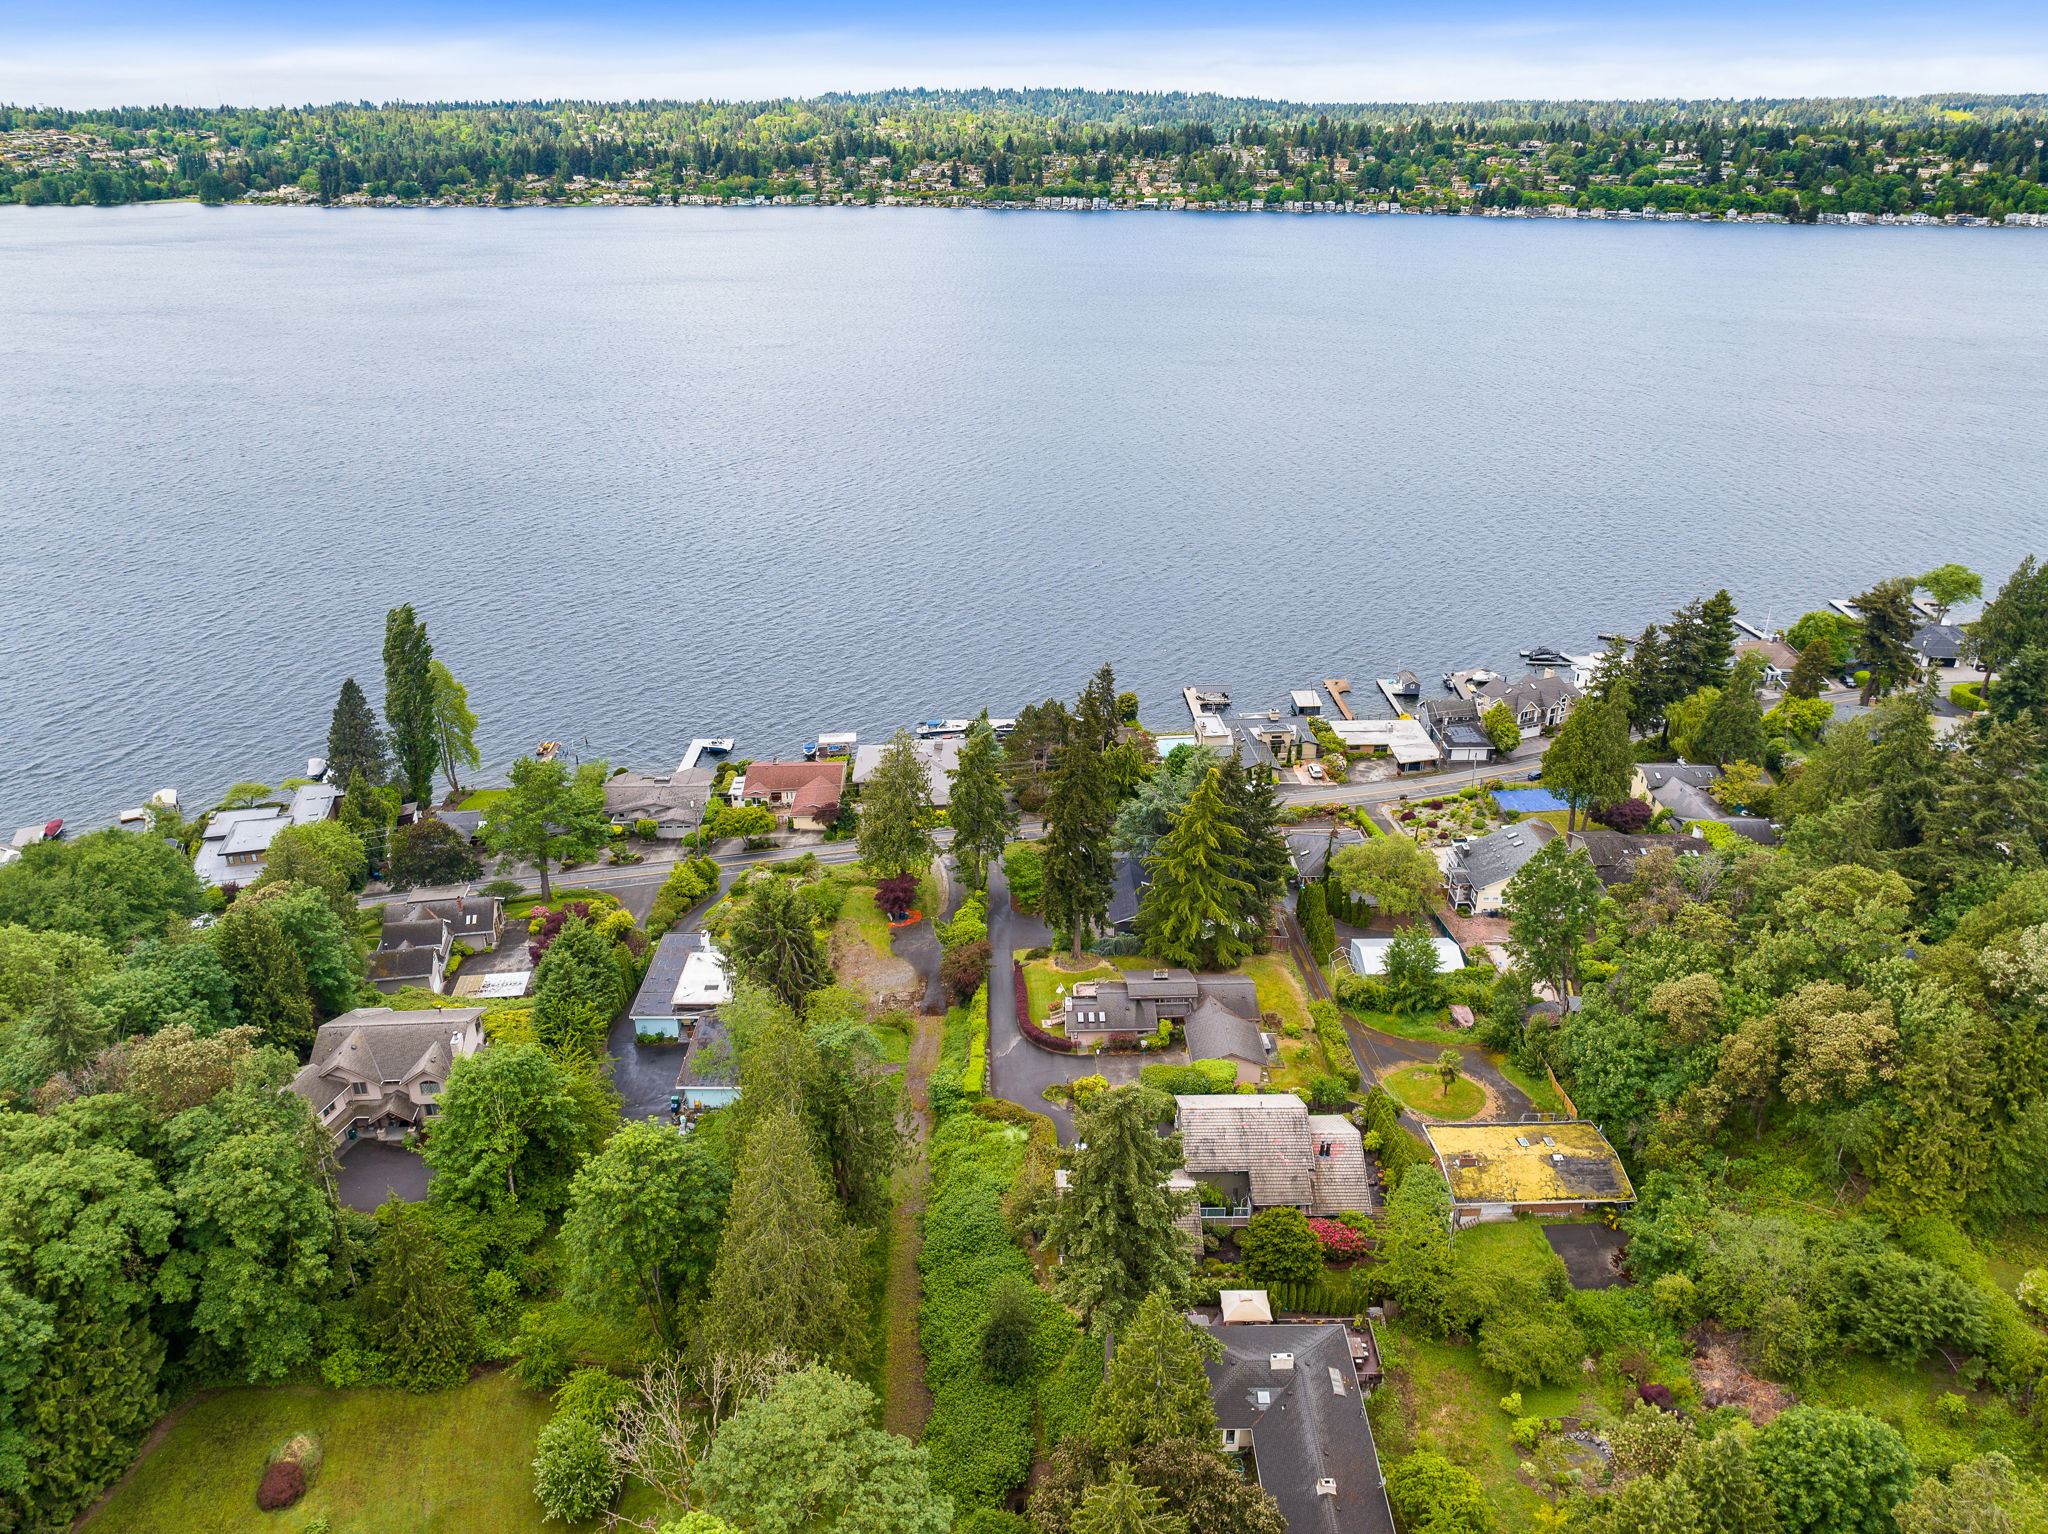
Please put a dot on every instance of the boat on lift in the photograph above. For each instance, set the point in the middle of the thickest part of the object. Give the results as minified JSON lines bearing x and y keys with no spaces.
{"x":943,"y":729}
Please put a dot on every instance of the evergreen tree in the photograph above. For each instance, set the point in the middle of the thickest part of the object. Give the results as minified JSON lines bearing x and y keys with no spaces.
{"x":409,"y":707}
{"x":419,"y":1314}
{"x":354,"y":742}
{"x":2022,"y":690}
{"x":1114,"y":1229}
{"x":1884,"y":646}
{"x":789,"y":1269}
{"x":1080,"y":872}
{"x":1611,"y":670}
{"x":1906,"y":770}
{"x":1716,"y":638}
{"x":1733,"y":729}
{"x":1120,"y":1505}
{"x":1728,"y":1493}
{"x":979,"y":810}
{"x":1265,"y":864}
{"x":269,"y":977}
{"x":514,"y":1126}
{"x":1810,"y":672}
{"x":1156,"y":1388}
{"x":1193,"y":912}
{"x":773,"y":945}
{"x":577,"y":987}
{"x":1098,"y":721}
{"x":1312,"y":911}
{"x":1591,"y":761}
{"x":1651,"y":686}
{"x":896,"y":813}
{"x":1416,"y":1246}
{"x":455,"y":723}
{"x":2014,"y":620}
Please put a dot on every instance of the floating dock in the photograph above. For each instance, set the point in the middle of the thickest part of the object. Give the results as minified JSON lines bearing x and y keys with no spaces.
{"x":1339,"y":691}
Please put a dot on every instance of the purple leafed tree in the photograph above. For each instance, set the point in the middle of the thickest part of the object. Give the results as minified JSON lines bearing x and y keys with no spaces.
{"x":895,"y":894}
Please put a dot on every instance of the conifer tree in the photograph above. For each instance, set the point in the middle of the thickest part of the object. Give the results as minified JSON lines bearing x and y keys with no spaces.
{"x":1123,"y":1505}
{"x":1651,"y":688}
{"x":896,"y":813}
{"x":1733,"y":729}
{"x":773,"y":945}
{"x":1591,"y":762}
{"x":1194,"y":908}
{"x":1266,"y":864}
{"x":1716,"y":651}
{"x":269,"y":977}
{"x":1080,"y":872}
{"x":2014,"y":620}
{"x":982,"y":816}
{"x":1097,"y":719}
{"x":1884,"y":643}
{"x":354,"y":742}
{"x":1728,"y":1492}
{"x":1810,"y":672}
{"x":1114,"y":1228}
{"x":419,"y":1313}
{"x":409,"y":702}
{"x":1155,"y":1389}
{"x":1906,"y":770}
{"x":788,"y":1269}
{"x":576,"y":989}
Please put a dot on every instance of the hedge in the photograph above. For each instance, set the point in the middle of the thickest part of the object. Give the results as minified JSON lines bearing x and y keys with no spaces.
{"x":1329,"y":1024}
{"x":1030,"y":1029}
{"x":689,"y":883}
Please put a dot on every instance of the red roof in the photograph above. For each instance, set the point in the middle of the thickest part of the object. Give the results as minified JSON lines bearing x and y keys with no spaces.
{"x":813,"y":786}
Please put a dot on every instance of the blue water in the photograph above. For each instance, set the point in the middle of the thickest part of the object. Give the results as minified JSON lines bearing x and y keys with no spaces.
{"x":650,"y":474}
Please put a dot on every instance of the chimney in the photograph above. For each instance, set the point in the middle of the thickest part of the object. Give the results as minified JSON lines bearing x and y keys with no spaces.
{"x":1326,"y":1487}
{"x":1282,"y":1363}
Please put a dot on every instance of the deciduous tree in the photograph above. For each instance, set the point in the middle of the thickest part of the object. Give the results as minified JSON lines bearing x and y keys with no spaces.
{"x":454,"y":724}
{"x":1394,"y":872}
{"x":549,"y":816}
{"x":1946,"y":585}
{"x":1834,"y":1472}
{"x":643,"y":1224}
{"x":1278,"y":1247}
{"x":429,"y":853}
{"x":1550,"y":904}
{"x":1591,"y":761}
{"x":513,"y":1125}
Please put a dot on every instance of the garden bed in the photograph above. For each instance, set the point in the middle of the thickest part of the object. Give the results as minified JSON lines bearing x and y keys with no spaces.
{"x":1434,"y":821}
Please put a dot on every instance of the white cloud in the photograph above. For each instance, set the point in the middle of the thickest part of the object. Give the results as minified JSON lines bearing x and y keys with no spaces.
{"x":1353,"y":65}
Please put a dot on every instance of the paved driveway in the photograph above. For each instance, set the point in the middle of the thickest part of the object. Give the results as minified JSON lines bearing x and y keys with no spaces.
{"x":644,"y":1076}
{"x":1017,"y":1068}
{"x":373,"y":1170}
{"x":1591,"y":1253}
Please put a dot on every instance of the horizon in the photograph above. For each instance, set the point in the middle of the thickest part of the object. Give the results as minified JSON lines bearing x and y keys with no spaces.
{"x":107,"y":53}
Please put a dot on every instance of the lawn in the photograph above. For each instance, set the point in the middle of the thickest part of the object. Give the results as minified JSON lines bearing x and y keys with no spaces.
{"x":1279,"y":990}
{"x":1042,"y":976}
{"x":1905,"y":1396}
{"x":860,"y":915}
{"x":454,"y":1461}
{"x":1420,"y":1088}
{"x":895,"y":1044}
{"x":598,"y":901}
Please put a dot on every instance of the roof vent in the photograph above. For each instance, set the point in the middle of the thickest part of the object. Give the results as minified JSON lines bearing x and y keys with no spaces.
{"x":1282,"y":1362}
{"x":1158,"y":974}
{"x":1557,"y":1160}
{"x":1326,"y":1486}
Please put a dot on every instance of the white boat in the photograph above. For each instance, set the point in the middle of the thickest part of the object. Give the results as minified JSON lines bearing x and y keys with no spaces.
{"x":943,"y":729}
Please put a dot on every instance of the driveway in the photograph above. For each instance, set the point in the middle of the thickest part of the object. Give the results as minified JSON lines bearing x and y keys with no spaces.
{"x":1018,"y":1070}
{"x":374,"y":1170}
{"x":1379,"y":1053}
{"x":1591,"y":1253}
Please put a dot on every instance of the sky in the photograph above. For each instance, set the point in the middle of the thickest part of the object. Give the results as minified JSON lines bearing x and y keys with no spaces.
{"x":97,"y":54}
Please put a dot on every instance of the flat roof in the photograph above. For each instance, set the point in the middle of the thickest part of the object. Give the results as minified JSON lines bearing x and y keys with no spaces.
{"x":704,"y":982}
{"x":1529,"y":1163}
{"x":1369,"y":954}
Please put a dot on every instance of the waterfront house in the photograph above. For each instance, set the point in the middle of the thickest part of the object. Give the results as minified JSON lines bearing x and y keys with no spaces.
{"x":1778,"y":657}
{"x":675,"y":804}
{"x":1939,"y":645}
{"x":235,"y":843}
{"x":940,"y":755}
{"x":1540,"y":701}
{"x":379,"y":1071}
{"x":1407,"y":741}
{"x":1266,"y":1151}
{"x":1497,"y":1171}
{"x":687,"y":978}
{"x":1290,"y":1403}
{"x":1453,"y":724}
{"x":807,"y":792}
{"x":1476,"y":875}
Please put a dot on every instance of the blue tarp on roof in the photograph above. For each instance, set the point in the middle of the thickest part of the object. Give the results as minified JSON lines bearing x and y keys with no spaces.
{"x":1527,"y":800}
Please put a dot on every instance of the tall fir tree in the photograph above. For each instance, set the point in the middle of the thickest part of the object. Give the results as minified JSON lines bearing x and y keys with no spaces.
{"x":1591,"y":761}
{"x":1733,"y":729}
{"x":1265,"y":863}
{"x":420,"y":1314}
{"x":269,"y":976}
{"x":980,"y":811}
{"x":1097,"y":719}
{"x":1884,"y":645}
{"x":1080,"y":871}
{"x":1114,"y":1227}
{"x":354,"y":741}
{"x":1156,"y":1388}
{"x":409,"y":706}
{"x":2014,"y":620}
{"x":1810,"y":672}
{"x":1716,"y":638}
{"x":1194,"y":908}
{"x":773,"y":944}
{"x":1650,"y":687}
{"x":1907,"y":771}
{"x":1612,"y":669}
{"x":896,"y":813}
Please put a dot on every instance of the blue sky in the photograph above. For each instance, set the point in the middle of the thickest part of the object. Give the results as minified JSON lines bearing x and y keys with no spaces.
{"x":98,"y":54}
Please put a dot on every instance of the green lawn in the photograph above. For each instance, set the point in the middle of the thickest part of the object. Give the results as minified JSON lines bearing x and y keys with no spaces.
{"x":1279,"y":989}
{"x":859,"y":915}
{"x":895,"y":1045}
{"x":455,"y":1461}
{"x":1420,"y":1088}
{"x":1905,"y":1396}
{"x":1042,"y":976}
{"x":483,"y":798}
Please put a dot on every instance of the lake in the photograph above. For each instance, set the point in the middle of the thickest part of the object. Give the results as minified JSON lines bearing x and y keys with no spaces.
{"x":650,"y":474}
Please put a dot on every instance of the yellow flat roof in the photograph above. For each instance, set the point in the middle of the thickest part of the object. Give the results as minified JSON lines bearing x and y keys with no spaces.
{"x":1529,"y":1164}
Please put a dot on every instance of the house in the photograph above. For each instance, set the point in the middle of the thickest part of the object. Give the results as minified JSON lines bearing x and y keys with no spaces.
{"x":1127,"y":892}
{"x":1267,"y":1150}
{"x":675,"y":804}
{"x":418,"y":939}
{"x":1476,"y":875}
{"x":382,"y":1071}
{"x":1778,"y":657}
{"x":1369,"y":955}
{"x":1311,"y":851}
{"x":1539,"y":701}
{"x":1453,"y":724}
{"x":472,"y":920}
{"x":235,"y":843}
{"x":1680,"y":787}
{"x":1407,"y":741}
{"x":940,"y":755}
{"x":807,"y":792}
{"x":1497,"y":1171}
{"x":710,"y":1077}
{"x":1614,"y":854}
{"x":1264,"y":740}
{"x":686,"y":979}
{"x":1219,"y":1012}
{"x":1939,"y":645}
{"x":1290,"y":1401}
{"x":1306,"y":702}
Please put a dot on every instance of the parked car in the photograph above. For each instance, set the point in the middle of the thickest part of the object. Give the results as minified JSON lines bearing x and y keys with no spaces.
{"x":1315,"y":770}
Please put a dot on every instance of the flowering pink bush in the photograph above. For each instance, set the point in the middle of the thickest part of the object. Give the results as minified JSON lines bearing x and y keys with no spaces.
{"x":1340,"y":1242}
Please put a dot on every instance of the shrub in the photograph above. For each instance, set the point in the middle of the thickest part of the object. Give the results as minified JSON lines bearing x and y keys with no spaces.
{"x":1429,"y":1492}
{"x":1327,"y":1093}
{"x":647,"y":830}
{"x":964,"y":969}
{"x":1628,"y":815}
{"x":595,"y":1394}
{"x":543,"y":1361}
{"x":1024,"y":868}
{"x":573,"y":1477}
{"x":1278,"y":1246}
{"x":284,"y":1482}
{"x":1340,"y":1242}
{"x":1010,"y":1334}
{"x":1329,"y":1025}
{"x":1217,"y":1075}
{"x":1175,"y":1080}
{"x":1967,"y":695}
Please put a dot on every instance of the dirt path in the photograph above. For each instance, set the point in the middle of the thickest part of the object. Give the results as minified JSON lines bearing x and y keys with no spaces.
{"x":906,"y":1401}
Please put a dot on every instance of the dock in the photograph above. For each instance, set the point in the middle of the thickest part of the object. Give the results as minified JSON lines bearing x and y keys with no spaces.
{"x":713,"y":745}
{"x":1339,"y":691}
{"x":1205,"y":701}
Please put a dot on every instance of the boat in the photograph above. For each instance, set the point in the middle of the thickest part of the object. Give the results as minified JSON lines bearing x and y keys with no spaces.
{"x":53,"y":830}
{"x":1002,"y":727}
{"x":943,"y":729}
{"x":841,"y":744}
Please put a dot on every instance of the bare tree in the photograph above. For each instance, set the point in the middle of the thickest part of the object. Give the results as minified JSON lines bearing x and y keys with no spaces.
{"x":662,"y":1434}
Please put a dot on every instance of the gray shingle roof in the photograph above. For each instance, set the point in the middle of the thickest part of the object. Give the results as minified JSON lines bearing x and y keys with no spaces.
{"x":1264,"y":1136}
{"x":1498,"y":854}
{"x":1339,"y":1177}
{"x":1215,"y":1032}
{"x":1308,"y":1424}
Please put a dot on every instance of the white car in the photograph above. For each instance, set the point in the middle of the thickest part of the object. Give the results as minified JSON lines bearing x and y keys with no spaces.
{"x":1315,"y":770}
